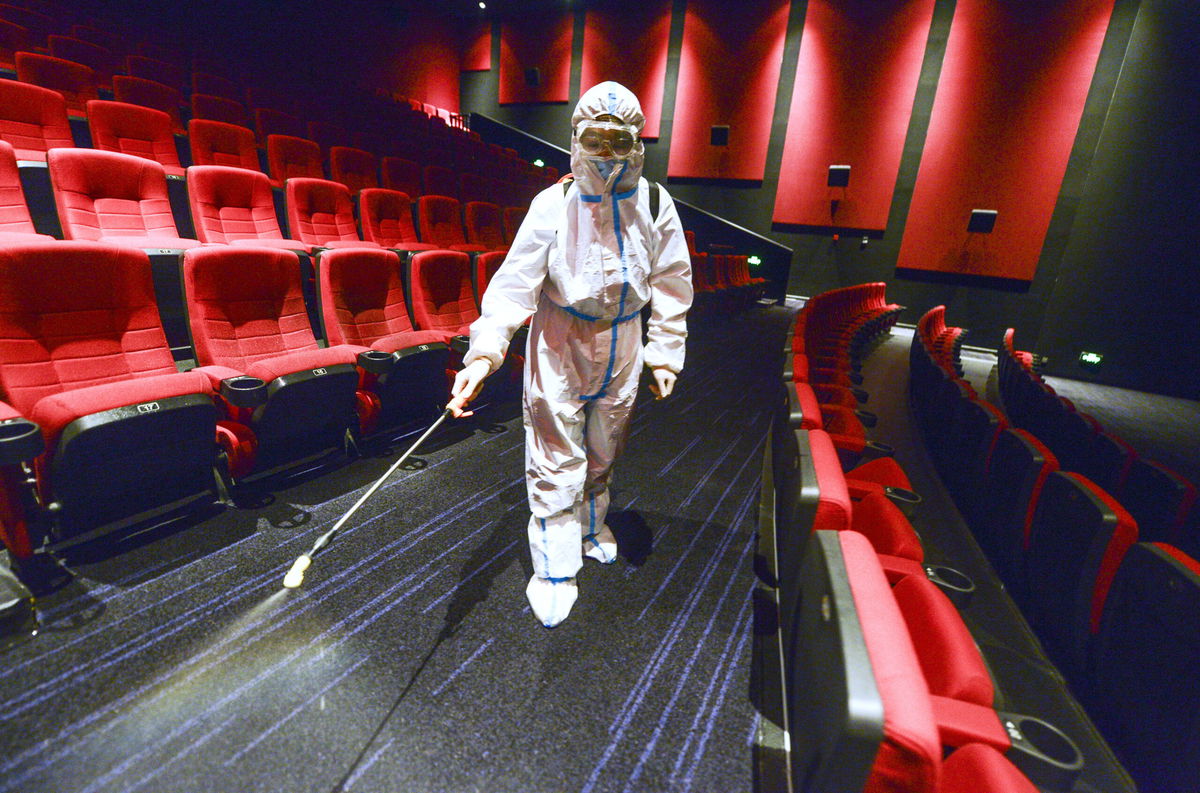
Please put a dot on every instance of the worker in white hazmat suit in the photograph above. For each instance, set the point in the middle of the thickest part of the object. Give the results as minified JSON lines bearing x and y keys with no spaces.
{"x":587,"y":258}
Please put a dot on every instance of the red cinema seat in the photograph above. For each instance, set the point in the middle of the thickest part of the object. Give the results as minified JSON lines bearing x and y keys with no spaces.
{"x":214,"y":85}
{"x":1077,"y":539}
{"x":16,"y":225}
{"x":74,"y":81}
{"x":484,"y":225}
{"x":150,"y":93}
{"x":39,"y":25}
{"x":353,"y":167}
{"x":125,"y":432}
{"x":387,"y":220}
{"x":115,"y":198}
{"x":1009,"y":494}
{"x":99,"y":59}
{"x":859,"y":709}
{"x":159,"y":71}
{"x":13,"y":39}
{"x":293,"y":158}
{"x":486,"y":265}
{"x":234,"y":206}
{"x":1159,"y":499}
{"x":439,"y":181}
{"x":439,"y":222}
{"x":247,"y":315}
{"x":321,"y":214}
{"x":512,"y":217}
{"x":401,"y":174}
{"x":1141,"y":684}
{"x":218,"y":108}
{"x":268,"y":121}
{"x":220,"y":143}
{"x":133,"y":129}
{"x":440,"y":288}
{"x":363,"y":304}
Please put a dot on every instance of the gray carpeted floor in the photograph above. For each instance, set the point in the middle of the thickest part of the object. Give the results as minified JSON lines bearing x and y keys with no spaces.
{"x":409,"y":660}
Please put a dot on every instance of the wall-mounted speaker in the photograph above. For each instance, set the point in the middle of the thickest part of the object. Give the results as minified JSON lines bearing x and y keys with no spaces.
{"x":839,"y":176}
{"x":982,"y":221}
{"x":719,"y":135}
{"x":533,"y":77}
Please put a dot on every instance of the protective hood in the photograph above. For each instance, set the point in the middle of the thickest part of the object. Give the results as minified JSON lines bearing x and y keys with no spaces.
{"x":593,"y":175}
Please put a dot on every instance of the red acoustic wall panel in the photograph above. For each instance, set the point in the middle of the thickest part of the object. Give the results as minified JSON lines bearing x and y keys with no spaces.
{"x":728,"y":75}
{"x":424,"y":63}
{"x":477,"y":47}
{"x":856,"y":77}
{"x":628,"y":44}
{"x":1012,"y":90}
{"x":535,"y":58}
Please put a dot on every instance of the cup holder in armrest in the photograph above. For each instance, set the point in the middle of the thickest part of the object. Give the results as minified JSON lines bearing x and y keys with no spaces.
{"x":244,"y":392}
{"x":855,"y":377}
{"x":907,"y":500}
{"x":1047,"y":755}
{"x":867,"y":418}
{"x":958,"y":586}
{"x":460,"y":344}
{"x":375,"y":361}
{"x":20,"y":440}
{"x":860,"y":394}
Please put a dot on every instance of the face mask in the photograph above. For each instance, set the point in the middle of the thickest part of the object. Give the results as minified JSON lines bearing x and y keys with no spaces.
{"x":604,"y":165}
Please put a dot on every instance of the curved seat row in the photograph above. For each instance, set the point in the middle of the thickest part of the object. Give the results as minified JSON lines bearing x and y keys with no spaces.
{"x":886,"y":686}
{"x":1113,"y":607}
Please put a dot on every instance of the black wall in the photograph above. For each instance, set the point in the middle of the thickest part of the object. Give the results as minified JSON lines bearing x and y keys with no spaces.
{"x":1118,"y":273}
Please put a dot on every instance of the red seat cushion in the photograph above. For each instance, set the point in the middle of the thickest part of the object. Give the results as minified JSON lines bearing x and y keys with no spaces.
{"x":976,"y":768}
{"x":949,"y":658}
{"x":910,"y":753}
{"x":834,"y":510}
{"x":56,"y":411}
{"x":884,"y":524}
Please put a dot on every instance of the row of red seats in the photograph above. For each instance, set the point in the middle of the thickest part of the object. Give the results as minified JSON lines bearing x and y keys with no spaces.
{"x":1103,"y":604}
{"x":1162,"y":500}
{"x":123,"y":198}
{"x":916,"y":712}
{"x":99,"y":427}
{"x":721,"y":280}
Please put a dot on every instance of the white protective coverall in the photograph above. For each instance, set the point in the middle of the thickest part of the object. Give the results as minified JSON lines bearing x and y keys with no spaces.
{"x":584,"y":263}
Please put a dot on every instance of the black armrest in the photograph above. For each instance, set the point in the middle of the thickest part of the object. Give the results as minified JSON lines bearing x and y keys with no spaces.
{"x":20,"y":440}
{"x":418,"y":349}
{"x":460,"y":344}
{"x":244,"y":392}
{"x":375,"y":361}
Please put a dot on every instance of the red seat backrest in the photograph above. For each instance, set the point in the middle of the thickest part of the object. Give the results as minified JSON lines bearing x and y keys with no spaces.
{"x":76,"y":314}
{"x":109,"y":194}
{"x":362,"y":298}
{"x":75,"y":81}
{"x":220,"y":143}
{"x":134,"y":129}
{"x":440,"y":220}
{"x":441,"y":290}
{"x":353,"y":167}
{"x":231,"y":204}
{"x":14,"y":212}
{"x":293,"y":158}
{"x":149,"y":93}
{"x":245,"y":305}
{"x":320,"y":211}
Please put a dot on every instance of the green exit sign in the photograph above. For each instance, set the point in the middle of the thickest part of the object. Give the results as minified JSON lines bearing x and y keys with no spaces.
{"x":1090,"y":360}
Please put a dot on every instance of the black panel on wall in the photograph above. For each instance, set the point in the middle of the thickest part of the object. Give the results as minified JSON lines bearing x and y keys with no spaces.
{"x":1129,"y":286}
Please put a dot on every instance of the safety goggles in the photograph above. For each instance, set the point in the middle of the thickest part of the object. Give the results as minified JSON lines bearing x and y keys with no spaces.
{"x":596,"y":136}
